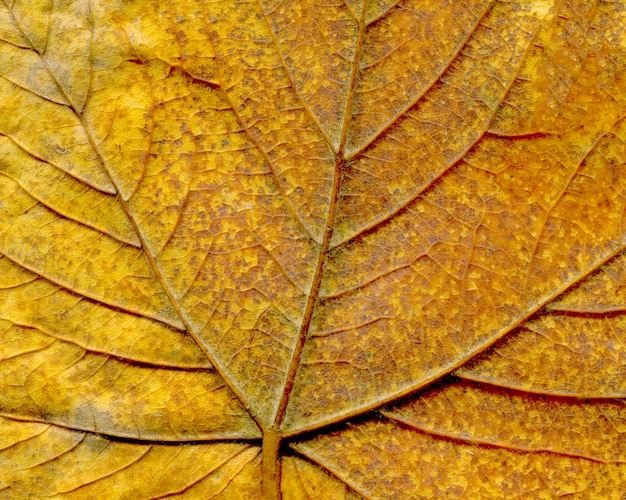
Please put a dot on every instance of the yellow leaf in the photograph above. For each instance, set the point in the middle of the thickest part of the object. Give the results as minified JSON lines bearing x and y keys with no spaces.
{"x":358,"y":248}
{"x":40,"y":460}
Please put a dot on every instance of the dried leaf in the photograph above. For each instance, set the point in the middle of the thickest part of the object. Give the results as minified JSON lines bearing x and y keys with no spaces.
{"x":290,"y":249}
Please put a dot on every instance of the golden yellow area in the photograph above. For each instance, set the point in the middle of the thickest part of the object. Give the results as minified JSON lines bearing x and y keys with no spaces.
{"x":356,"y":248}
{"x":514,"y":420}
{"x":366,"y":457}
{"x":41,"y":460}
{"x":301,"y":480}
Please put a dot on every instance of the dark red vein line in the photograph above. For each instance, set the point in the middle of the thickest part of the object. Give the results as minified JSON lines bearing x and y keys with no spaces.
{"x":445,"y":370}
{"x":347,"y":116}
{"x":45,"y":98}
{"x":9,"y":42}
{"x":134,"y":361}
{"x":599,"y":311}
{"x":361,"y":285}
{"x":575,"y":171}
{"x":128,"y":437}
{"x":58,"y":455}
{"x":326,"y":333}
{"x":26,"y":439}
{"x":27,"y":352}
{"x":67,"y":215}
{"x":111,"y":473}
{"x":492,"y":444}
{"x":311,"y":301}
{"x":331,"y":472}
{"x":73,"y":175}
{"x":211,"y":471}
{"x":381,"y":220}
{"x":273,"y":436}
{"x":330,"y":224}
{"x":496,"y":383}
{"x":95,"y":299}
{"x":384,"y":13}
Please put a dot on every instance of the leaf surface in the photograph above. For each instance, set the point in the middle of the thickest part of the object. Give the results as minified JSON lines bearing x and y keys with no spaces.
{"x":353,"y":249}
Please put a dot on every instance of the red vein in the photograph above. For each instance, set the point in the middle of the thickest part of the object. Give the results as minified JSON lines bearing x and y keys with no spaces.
{"x":330,"y":224}
{"x":46,"y":98}
{"x":312,"y":299}
{"x":362,"y":284}
{"x":273,"y":436}
{"x":135,"y":361}
{"x":26,"y":352}
{"x":546,"y":216}
{"x":488,"y":381}
{"x":116,"y":235}
{"x":213,"y":469}
{"x":326,"y":333}
{"x":58,"y":455}
{"x":120,"y":435}
{"x":74,"y":175}
{"x":112,"y":473}
{"x":586,"y":310}
{"x":21,"y":440}
{"x":494,"y":444}
{"x":384,"y":12}
{"x":271,"y":466}
{"x":347,"y":116}
{"x":347,"y":481}
{"x":99,"y":300}
{"x":444,"y":370}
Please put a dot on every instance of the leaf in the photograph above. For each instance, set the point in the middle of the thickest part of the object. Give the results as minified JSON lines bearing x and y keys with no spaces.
{"x":340,"y":250}
{"x":43,"y":460}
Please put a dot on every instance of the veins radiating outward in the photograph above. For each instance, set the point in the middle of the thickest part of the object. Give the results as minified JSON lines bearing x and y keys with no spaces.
{"x":272,"y":436}
{"x":322,"y":342}
{"x":447,"y":64}
{"x":330,"y":222}
{"x":125,"y":205}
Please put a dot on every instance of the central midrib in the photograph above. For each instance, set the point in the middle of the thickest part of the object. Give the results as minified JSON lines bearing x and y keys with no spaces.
{"x":312,"y":298}
{"x":273,"y":436}
{"x":316,"y":282}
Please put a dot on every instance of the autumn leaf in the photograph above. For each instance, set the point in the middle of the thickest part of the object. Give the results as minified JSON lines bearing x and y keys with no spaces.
{"x":312,"y":250}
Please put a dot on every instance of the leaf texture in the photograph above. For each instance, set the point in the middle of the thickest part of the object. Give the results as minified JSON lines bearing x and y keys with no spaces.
{"x":43,"y":460}
{"x":301,"y":250}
